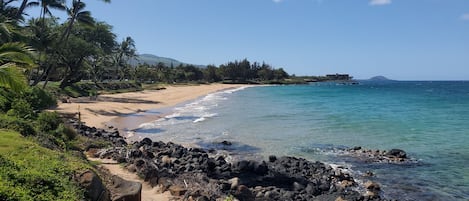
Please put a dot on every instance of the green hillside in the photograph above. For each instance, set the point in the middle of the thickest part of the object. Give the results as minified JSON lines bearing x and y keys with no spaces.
{"x":153,"y":60}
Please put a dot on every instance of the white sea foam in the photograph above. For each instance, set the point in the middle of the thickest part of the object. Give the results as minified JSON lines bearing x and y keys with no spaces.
{"x":205,"y":117}
{"x":196,"y":111}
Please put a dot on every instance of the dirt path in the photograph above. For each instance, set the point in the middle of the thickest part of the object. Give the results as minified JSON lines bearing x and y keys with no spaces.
{"x":148,"y":193}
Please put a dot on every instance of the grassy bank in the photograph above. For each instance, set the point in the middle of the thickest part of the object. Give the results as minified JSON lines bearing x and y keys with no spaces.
{"x":31,"y":172}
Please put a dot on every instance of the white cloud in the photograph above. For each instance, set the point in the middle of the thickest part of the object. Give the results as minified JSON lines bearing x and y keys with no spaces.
{"x":277,"y":1}
{"x":380,"y":2}
{"x":465,"y":16}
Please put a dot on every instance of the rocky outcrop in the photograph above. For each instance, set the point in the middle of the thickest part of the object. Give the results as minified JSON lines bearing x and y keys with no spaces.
{"x":192,"y":172}
{"x":195,"y":174}
{"x":111,"y":135}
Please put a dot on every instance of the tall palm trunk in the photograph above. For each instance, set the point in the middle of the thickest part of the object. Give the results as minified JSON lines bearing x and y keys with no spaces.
{"x":21,"y":9}
{"x":66,"y":34}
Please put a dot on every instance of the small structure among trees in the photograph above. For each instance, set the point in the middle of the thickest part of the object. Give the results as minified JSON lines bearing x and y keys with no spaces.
{"x":338,"y":76}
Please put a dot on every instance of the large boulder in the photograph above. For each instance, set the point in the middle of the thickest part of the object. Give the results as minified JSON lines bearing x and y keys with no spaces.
{"x":95,"y":190}
{"x":123,"y":190}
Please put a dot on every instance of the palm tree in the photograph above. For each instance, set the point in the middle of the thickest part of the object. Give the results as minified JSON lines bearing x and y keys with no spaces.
{"x":125,"y":52}
{"x":25,"y":4}
{"x":77,"y":13}
{"x":42,"y":38}
{"x":6,"y":10}
{"x":46,"y":5}
{"x":13,"y":57}
{"x":6,"y":27}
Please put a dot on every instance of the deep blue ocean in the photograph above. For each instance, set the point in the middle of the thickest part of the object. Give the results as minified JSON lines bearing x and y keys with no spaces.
{"x":429,"y":120}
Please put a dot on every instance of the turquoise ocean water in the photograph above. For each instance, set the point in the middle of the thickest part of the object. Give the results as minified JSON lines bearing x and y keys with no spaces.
{"x":429,"y":120}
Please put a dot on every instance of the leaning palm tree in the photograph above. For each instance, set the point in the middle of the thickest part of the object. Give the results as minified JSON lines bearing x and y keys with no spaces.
{"x":25,"y":4}
{"x":14,"y":57}
{"x":46,"y":5}
{"x":76,"y":13}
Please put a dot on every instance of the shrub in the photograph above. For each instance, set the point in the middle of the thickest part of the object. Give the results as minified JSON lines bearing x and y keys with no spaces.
{"x":22,"y":109}
{"x":39,"y":99}
{"x":4,"y":104}
{"x":6,"y":98}
{"x":22,"y":126}
{"x":48,"y":121}
{"x":67,"y":133}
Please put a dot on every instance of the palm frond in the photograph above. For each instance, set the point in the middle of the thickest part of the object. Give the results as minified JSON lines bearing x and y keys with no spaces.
{"x":85,"y":18}
{"x":32,"y":4}
{"x":16,"y":53}
{"x":11,"y":77}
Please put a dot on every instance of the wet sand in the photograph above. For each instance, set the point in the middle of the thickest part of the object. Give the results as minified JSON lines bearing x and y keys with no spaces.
{"x":110,"y":108}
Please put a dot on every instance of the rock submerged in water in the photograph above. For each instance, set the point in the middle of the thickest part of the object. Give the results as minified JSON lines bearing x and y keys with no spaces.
{"x":378,"y":156}
{"x":398,"y":153}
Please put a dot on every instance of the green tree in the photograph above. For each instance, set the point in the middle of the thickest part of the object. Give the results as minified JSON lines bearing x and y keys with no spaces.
{"x":85,"y":46}
{"x":211,"y":74}
{"x":124,"y":52}
{"x":42,"y":36}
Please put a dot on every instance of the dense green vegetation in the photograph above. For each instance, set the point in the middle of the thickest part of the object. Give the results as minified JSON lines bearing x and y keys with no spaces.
{"x":233,"y":72}
{"x":31,"y":172}
{"x":39,"y":154}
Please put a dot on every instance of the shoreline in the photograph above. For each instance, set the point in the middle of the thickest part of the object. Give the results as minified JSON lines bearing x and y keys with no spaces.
{"x":111,"y":109}
{"x":116,"y":109}
{"x":235,"y":169}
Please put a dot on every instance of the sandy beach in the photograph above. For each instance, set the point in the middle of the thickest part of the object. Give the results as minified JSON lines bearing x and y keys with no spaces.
{"x":109,"y":107}
{"x":109,"y":110}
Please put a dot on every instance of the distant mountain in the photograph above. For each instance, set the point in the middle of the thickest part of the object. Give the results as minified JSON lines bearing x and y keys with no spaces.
{"x":154,"y":60}
{"x":379,"y":78}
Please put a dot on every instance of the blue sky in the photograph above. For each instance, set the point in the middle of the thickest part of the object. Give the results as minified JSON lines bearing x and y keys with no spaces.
{"x":400,"y":39}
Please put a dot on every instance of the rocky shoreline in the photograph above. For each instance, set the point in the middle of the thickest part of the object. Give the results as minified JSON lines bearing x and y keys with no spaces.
{"x":196,"y":174}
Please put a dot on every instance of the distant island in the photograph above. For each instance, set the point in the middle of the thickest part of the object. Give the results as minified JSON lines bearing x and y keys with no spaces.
{"x":379,"y":78}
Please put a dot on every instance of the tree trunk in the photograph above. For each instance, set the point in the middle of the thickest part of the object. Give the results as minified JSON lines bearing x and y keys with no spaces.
{"x":21,"y":9}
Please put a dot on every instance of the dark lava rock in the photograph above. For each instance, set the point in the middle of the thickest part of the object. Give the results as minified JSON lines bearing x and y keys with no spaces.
{"x":194,"y":173}
{"x":272,"y":158}
{"x":398,"y":153}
